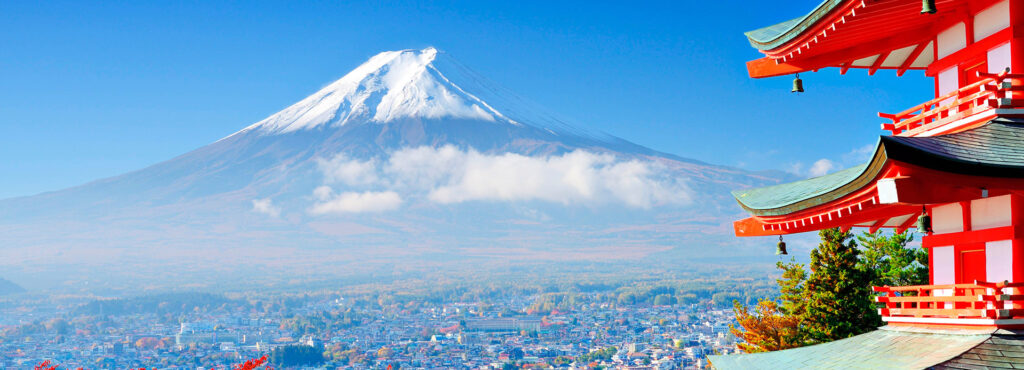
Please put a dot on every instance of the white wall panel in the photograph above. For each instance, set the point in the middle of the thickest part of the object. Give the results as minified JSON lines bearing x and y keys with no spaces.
{"x":943,"y":265}
{"x":948,"y":218}
{"x":987,"y":213}
{"x":991,"y":20}
{"x":999,"y":261}
{"x":999,"y":58}
{"x":952,"y":40}
{"x":949,"y":80}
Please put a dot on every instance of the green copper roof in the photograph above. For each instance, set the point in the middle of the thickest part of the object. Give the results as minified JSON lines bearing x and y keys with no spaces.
{"x":777,"y":196}
{"x":880,"y":349}
{"x":995,"y":149}
{"x":776,"y":35}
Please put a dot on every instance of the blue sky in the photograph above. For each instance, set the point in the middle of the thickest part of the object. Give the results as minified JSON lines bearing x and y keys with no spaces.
{"x":95,"y":90}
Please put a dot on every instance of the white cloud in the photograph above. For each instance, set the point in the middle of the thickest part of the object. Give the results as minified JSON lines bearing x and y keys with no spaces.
{"x":796,"y":168}
{"x":355,"y":202}
{"x":449,"y":175}
{"x":821,"y":167}
{"x":265,"y":206}
{"x":859,"y":155}
{"x":424,"y":166}
{"x":344,"y":170}
{"x":323,"y":193}
{"x":456,"y":176}
{"x":824,"y":166}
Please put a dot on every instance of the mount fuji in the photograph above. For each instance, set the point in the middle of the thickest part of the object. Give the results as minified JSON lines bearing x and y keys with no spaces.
{"x":410,"y":159}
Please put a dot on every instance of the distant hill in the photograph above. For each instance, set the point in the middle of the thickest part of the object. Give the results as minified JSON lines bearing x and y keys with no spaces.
{"x":7,"y":287}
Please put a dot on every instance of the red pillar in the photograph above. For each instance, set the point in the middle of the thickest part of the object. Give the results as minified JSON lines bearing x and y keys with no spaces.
{"x":1016,"y":217}
{"x":1017,"y":37}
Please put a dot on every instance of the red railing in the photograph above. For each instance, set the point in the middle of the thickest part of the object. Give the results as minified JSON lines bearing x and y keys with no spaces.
{"x":991,"y":92}
{"x":952,"y":301}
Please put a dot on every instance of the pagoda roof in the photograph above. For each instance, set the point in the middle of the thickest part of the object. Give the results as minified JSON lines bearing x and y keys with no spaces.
{"x":994,"y":149}
{"x":885,"y":348}
{"x":771,"y":37}
{"x":874,"y":35}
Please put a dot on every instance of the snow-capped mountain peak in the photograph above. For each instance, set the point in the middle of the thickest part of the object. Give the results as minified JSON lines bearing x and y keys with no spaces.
{"x":390,"y":86}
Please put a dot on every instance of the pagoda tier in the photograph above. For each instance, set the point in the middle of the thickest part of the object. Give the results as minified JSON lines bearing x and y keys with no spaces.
{"x":970,"y":183}
{"x":905,"y":177}
{"x":891,"y":34}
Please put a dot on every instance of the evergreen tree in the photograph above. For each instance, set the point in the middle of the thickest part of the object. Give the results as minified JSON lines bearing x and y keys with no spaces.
{"x":890,"y":260}
{"x":838,"y":291}
{"x":791,"y":287}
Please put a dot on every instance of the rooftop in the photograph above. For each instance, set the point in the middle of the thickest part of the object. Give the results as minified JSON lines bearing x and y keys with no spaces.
{"x":888,"y":347}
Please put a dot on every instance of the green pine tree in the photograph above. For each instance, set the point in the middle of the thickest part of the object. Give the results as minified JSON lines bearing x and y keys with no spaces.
{"x":791,"y":287}
{"x":838,"y":291}
{"x":891,"y":261}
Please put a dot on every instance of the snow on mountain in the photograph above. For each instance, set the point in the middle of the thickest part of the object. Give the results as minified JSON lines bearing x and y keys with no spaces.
{"x":413,"y":84}
{"x":389,"y":86}
{"x":410,"y":155}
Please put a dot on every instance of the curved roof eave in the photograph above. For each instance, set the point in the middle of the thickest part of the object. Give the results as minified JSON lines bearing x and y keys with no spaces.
{"x":783,"y":199}
{"x":994,"y":149}
{"x":776,"y":35}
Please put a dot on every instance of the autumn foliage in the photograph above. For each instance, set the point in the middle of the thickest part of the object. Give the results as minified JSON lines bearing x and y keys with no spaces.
{"x":767,"y":328}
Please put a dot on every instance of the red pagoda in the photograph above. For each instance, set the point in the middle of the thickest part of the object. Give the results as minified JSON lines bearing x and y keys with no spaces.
{"x":953,"y":166}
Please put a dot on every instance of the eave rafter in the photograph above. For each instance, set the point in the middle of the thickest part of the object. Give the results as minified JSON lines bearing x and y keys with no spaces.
{"x":878,"y":63}
{"x":767,"y":67}
{"x":906,"y":224}
{"x":911,"y":58}
{"x":878,"y":225}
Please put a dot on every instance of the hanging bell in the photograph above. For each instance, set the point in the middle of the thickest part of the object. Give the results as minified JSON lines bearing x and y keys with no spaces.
{"x":780,"y":249}
{"x":924,"y":222}
{"x":798,"y":84}
{"x":928,"y":7}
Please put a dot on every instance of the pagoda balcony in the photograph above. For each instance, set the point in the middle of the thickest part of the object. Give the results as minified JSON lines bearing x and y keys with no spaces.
{"x":982,"y":304}
{"x":994,"y":94}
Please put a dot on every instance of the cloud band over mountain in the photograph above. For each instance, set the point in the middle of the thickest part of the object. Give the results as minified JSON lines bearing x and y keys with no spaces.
{"x":449,"y":175}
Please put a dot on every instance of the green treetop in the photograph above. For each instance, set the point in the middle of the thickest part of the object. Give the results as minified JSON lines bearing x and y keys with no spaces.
{"x":838,"y":294}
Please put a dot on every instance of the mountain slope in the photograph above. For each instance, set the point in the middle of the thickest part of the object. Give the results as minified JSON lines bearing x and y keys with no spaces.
{"x":411,"y":156}
{"x":7,"y":287}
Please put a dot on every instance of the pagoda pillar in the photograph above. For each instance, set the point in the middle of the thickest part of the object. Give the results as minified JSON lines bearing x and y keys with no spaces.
{"x":1016,"y":36}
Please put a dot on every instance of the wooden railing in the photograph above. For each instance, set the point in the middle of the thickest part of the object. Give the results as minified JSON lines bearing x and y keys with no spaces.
{"x":953,"y":301}
{"x":991,"y":92}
